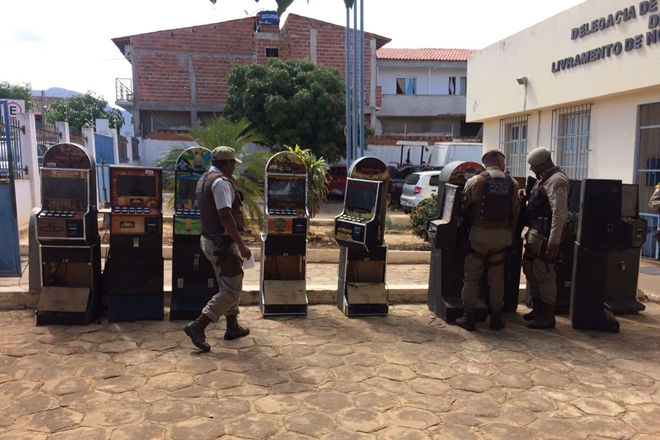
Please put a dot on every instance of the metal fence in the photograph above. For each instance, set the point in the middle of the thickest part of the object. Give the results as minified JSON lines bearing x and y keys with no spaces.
{"x":15,"y":145}
{"x":78,"y":138}
{"x":47,"y":136}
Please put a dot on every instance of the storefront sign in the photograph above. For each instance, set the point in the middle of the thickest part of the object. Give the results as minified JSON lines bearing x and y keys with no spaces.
{"x":646,"y":8}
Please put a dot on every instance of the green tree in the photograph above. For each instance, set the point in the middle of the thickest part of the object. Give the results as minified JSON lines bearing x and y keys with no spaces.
{"x":317,"y":179}
{"x":291,"y":103}
{"x":17,"y":91}
{"x":81,"y":111}
{"x":419,"y":216}
{"x":219,"y":131}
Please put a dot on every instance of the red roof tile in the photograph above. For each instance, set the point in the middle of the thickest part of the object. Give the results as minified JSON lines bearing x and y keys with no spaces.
{"x":424,"y":54}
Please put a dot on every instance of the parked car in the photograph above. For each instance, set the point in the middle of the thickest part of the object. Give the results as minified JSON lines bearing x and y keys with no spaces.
{"x":337,"y":179}
{"x":418,"y":186}
{"x":398,"y":179}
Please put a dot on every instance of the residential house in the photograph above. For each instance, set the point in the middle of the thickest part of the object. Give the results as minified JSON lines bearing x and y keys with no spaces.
{"x":422,"y":92}
{"x":180,"y":76}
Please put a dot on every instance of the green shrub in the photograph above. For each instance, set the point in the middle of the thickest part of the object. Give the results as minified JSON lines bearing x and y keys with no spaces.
{"x":427,"y":209}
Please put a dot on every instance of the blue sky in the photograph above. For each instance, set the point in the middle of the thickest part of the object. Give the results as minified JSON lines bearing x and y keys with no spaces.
{"x":67,"y":43}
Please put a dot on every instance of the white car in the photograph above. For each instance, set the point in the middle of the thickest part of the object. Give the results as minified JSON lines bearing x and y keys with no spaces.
{"x":419,"y":186}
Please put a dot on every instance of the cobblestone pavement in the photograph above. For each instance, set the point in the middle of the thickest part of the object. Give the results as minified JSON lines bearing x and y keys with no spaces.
{"x":403,"y":376}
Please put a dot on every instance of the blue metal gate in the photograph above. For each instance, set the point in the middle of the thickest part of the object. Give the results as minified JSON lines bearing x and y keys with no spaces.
{"x":10,"y":252}
{"x":104,"y":158}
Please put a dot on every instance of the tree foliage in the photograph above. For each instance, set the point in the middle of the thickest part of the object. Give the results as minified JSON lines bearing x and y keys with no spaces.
{"x":419,"y":216}
{"x":17,"y":91}
{"x":317,"y":179}
{"x":282,"y":5}
{"x":219,"y":131}
{"x":82,"y":111}
{"x":291,"y":103}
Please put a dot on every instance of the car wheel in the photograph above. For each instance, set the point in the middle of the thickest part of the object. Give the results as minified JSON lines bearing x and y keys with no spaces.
{"x":406,"y":210}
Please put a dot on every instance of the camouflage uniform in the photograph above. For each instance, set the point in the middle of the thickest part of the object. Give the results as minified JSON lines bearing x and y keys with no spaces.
{"x":539,"y":272}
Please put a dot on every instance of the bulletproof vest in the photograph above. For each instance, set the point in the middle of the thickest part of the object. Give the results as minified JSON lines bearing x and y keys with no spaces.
{"x":211,"y":224}
{"x":495,"y":202}
{"x":539,"y":211}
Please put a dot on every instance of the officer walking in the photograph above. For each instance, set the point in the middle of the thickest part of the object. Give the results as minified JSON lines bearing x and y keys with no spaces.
{"x":490,"y":206}
{"x":222,"y":243}
{"x":547,"y":212}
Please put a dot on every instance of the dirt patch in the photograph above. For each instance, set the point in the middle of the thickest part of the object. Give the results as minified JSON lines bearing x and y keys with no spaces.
{"x":320,"y":237}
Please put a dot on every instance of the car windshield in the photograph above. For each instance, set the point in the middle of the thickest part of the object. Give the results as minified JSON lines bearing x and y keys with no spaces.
{"x":412,"y":179}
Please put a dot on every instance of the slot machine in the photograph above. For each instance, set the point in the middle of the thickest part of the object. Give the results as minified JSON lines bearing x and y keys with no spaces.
{"x":134,"y":266}
{"x":69,"y":242}
{"x":283,"y":285}
{"x":607,"y":254}
{"x":359,"y":231}
{"x":193,"y":277}
{"x":446,"y":234}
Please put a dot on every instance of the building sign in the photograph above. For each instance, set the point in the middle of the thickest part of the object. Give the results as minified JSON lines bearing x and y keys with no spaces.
{"x":16,"y":106}
{"x":647,"y":8}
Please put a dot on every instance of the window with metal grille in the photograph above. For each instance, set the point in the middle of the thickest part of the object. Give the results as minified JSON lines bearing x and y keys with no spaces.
{"x":272,"y":52}
{"x":648,"y":169}
{"x":513,"y":143}
{"x":570,"y":139}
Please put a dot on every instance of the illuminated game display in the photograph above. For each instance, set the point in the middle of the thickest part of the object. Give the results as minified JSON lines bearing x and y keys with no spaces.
{"x":193,"y":278}
{"x":67,"y":231}
{"x":134,"y":266}
{"x":359,"y":231}
{"x":283,"y":288}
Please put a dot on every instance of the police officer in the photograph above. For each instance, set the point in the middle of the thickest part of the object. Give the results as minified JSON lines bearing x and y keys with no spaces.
{"x":654,"y":201}
{"x":547,"y":212}
{"x":490,"y":207}
{"x":222,"y":243}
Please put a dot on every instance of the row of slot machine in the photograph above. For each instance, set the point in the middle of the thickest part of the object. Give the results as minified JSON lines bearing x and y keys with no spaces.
{"x":75,"y":289}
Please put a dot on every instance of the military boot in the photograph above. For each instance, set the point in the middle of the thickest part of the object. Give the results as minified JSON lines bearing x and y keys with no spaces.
{"x":466,"y":321}
{"x":546,"y":320}
{"x":234,"y":330}
{"x":195,"y":331}
{"x":537,"y":310}
{"x":496,"y":322}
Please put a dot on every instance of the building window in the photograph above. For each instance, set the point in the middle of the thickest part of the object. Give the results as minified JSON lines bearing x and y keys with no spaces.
{"x":570,"y":141}
{"x":272,"y":52}
{"x":406,"y":86}
{"x":463,"y":85}
{"x":452,"y":85}
{"x":513,"y":142}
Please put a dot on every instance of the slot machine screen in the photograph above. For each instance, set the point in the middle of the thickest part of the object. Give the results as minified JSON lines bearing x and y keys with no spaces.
{"x":135,"y":186}
{"x":629,"y":200}
{"x":361,"y":195}
{"x":64,"y":193}
{"x":186,"y":188}
{"x":286,"y":192}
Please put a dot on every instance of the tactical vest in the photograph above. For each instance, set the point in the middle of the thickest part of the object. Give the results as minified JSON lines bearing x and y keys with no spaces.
{"x":211,"y":224}
{"x":539,"y":211}
{"x":494,"y":196}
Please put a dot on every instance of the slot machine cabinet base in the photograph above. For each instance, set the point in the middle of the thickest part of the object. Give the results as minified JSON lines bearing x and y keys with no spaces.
{"x":361,"y":289}
{"x":187,"y":307}
{"x":74,"y":297}
{"x":282,"y":297}
{"x":67,"y":306}
{"x":131,"y":308}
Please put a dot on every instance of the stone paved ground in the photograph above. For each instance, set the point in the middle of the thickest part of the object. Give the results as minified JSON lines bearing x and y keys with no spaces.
{"x":404,"y":376}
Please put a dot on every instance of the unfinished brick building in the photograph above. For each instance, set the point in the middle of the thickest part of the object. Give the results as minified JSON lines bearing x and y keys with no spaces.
{"x":180,"y":75}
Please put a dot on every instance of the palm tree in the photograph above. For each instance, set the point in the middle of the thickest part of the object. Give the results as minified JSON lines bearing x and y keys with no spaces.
{"x":220,"y":131}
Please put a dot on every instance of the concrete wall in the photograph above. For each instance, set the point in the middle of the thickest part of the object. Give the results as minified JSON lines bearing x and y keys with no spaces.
{"x":615,"y":85}
{"x":539,"y":52}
